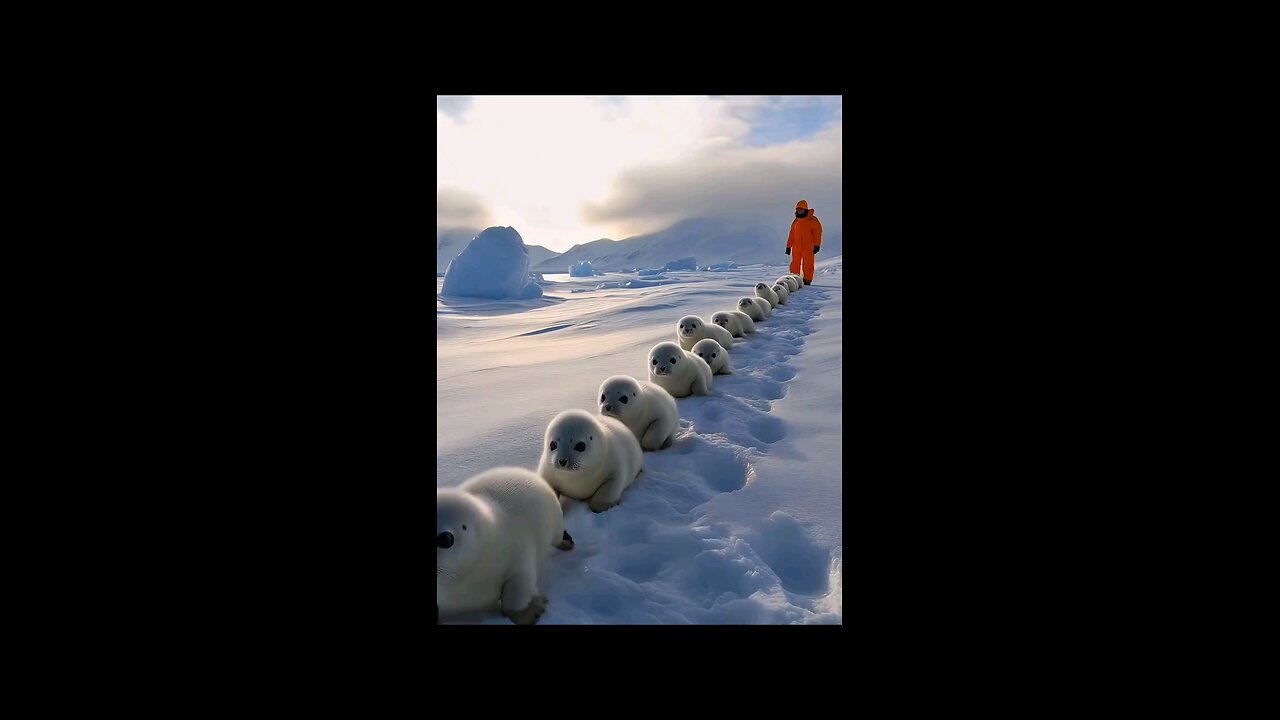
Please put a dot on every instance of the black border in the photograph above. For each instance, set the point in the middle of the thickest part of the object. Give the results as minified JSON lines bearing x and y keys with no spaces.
{"x":295,"y":429}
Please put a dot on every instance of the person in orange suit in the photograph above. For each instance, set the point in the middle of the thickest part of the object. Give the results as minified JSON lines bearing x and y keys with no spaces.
{"x":805,"y":239}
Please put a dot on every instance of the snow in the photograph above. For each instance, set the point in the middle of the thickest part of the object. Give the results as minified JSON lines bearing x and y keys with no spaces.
{"x":685,"y":263}
{"x":650,"y":271}
{"x":739,"y":521}
{"x":581,"y":269}
{"x":726,"y":265}
{"x":495,"y":264}
{"x":619,"y":284}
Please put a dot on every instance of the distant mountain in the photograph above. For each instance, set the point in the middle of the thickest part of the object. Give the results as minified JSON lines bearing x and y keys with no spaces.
{"x":451,"y":241}
{"x":708,"y":240}
{"x":539,"y":254}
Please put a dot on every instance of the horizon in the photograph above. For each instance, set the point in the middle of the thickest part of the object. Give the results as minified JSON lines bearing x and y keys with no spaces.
{"x":566,"y":171}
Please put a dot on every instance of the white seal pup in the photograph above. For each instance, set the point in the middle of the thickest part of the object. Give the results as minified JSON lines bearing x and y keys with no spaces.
{"x":767,"y":293}
{"x":493,"y":534}
{"x":678,"y":371}
{"x":590,"y":457}
{"x":691,"y":328}
{"x":755,"y":308}
{"x":782,"y":291}
{"x":744,"y":321}
{"x":716,"y":357}
{"x":737,"y":323}
{"x":646,"y":409}
{"x":788,"y":282}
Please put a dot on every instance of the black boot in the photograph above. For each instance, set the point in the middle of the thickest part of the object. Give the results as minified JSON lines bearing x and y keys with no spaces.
{"x":808,"y":282}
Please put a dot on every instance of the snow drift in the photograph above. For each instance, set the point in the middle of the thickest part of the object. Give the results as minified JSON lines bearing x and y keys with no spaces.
{"x":495,"y":264}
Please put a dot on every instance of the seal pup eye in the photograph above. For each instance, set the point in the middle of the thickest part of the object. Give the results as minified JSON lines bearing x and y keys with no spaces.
{"x":673,"y":361}
{"x":580,"y":446}
{"x":655,"y":361}
{"x":601,"y":397}
{"x":553,"y":444}
{"x":444,"y":540}
{"x":713,"y":355}
{"x":623,"y":399}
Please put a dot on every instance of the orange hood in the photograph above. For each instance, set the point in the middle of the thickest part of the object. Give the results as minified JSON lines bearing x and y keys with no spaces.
{"x":802,"y":205}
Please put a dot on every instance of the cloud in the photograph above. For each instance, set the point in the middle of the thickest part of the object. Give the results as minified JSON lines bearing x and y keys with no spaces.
{"x":732,"y":181}
{"x":565,"y":170}
{"x":455,"y":106}
{"x":456,"y":208}
{"x":785,"y":119}
{"x":536,"y":160}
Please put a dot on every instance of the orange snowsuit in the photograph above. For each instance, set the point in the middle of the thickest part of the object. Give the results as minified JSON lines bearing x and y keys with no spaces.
{"x":806,"y":234}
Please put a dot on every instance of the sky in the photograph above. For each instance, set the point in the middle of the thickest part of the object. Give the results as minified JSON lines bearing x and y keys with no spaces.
{"x":564,"y":170}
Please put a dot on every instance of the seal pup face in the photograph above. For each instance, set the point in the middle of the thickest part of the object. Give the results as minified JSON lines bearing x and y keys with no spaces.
{"x":618,"y":396}
{"x":777,"y":288}
{"x":707,"y":349}
{"x":664,"y":358}
{"x":745,"y":303}
{"x":722,"y":319}
{"x":573,"y":441}
{"x":461,"y":520}
{"x":761,"y":286}
{"x":688,"y":324}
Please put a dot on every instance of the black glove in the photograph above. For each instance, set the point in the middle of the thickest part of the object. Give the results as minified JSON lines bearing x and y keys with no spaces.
{"x":788,"y":251}
{"x":816,"y":248}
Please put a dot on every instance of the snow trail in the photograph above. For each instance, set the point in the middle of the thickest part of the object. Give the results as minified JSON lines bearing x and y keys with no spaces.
{"x":686,"y":544}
